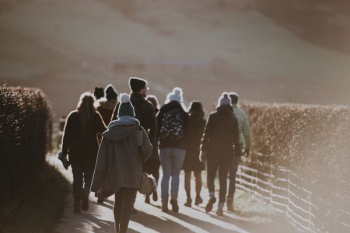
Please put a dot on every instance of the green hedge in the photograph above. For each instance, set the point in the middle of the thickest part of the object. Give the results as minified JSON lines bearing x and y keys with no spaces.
{"x":25,"y":121}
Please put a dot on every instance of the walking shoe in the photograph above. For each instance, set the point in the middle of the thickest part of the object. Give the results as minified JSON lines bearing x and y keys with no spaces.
{"x":165,"y":207}
{"x":85,"y":200}
{"x":189,"y":202}
{"x":174,"y":205}
{"x":210,"y":204}
{"x":220,"y":212}
{"x":100,"y":201}
{"x":155,"y":196}
{"x":230,"y":205}
{"x":77,"y":208}
{"x":198,"y":200}
{"x":147,"y":200}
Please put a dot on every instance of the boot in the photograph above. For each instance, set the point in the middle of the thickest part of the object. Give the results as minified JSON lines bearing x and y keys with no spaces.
{"x":198,"y":200}
{"x":210,"y":204}
{"x":173,"y":202}
{"x":230,"y":205}
{"x":165,"y":207}
{"x":147,"y":200}
{"x":220,"y":211}
{"x":100,"y":200}
{"x":85,"y":200}
{"x":189,"y":202}
{"x":77,"y":206}
{"x":155,"y":196}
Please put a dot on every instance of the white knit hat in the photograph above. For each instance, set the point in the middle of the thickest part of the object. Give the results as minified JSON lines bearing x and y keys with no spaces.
{"x":224,"y":99}
{"x":175,"y":95}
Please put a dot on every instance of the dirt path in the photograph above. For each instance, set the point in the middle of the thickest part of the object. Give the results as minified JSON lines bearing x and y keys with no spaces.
{"x":150,"y":219}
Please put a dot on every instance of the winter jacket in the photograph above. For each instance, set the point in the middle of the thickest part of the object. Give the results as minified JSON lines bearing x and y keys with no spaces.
{"x":155,"y":153}
{"x":81,"y":148}
{"x":119,"y":161}
{"x":105,"y":108}
{"x":144,"y":113}
{"x":192,"y":162}
{"x":244,"y":128}
{"x":182,"y":143}
{"x":221,"y":134}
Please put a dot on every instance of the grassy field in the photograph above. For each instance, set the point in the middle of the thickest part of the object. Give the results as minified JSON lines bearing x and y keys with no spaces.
{"x":285,"y":51}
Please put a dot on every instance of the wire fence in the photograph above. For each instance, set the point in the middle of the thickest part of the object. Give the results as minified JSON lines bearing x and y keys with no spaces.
{"x":307,"y":206}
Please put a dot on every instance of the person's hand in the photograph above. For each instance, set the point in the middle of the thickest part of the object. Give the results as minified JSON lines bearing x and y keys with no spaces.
{"x":203,"y":156}
{"x":64,"y":160}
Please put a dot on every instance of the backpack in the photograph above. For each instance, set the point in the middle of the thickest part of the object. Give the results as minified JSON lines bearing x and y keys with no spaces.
{"x":172,"y":127}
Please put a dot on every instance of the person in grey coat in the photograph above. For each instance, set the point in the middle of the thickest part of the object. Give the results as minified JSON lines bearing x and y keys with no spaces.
{"x":119,"y":164}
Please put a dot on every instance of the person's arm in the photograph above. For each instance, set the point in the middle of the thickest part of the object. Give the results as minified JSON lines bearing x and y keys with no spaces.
{"x":67,"y":135}
{"x":246,"y":133}
{"x":206,"y":135}
{"x":159,"y":122}
{"x":101,"y":166}
{"x":236,"y":143}
{"x":115,"y":112}
{"x":152,"y":123}
{"x":146,"y":146}
{"x":100,"y":125}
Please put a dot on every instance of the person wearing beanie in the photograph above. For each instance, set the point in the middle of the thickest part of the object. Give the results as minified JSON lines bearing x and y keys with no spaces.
{"x":119,"y":163}
{"x":152,"y":165}
{"x":244,"y":133}
{"x":192,"y":163}
{"x":106,"y":106}
{"x":99,"y":93}
{"x":220,"y":136}
{"x":143,"y":109}
{"x":173,"y":132}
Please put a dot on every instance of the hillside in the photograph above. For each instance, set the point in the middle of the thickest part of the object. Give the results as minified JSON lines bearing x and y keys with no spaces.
{"x":276,"y":51}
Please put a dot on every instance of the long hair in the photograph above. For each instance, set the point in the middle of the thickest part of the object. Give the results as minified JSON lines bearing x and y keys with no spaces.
{"x":154,"y":100}
{"x":196,"y":109}
{"x":86,"y":112}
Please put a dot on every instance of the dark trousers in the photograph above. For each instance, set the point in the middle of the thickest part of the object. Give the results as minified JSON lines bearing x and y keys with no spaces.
{"x":123,"y":206}
{"x":152,"y":168}
{"x":232,"y":177}
{"x":223,"y":164}
{"x":82,"y":177}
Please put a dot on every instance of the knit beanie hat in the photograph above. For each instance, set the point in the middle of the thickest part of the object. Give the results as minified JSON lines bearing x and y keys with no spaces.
{"x":126,"y":108}
{"x":136,"y":84}
{"x":175,"y":95}
{"x":224,"y":100}
{"x":111,"y":93}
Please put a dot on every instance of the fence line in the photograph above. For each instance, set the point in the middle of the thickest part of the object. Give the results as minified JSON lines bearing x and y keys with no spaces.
{"x":301,"y":202}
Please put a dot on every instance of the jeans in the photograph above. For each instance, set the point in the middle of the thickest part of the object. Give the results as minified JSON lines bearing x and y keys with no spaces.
{"x":232,"y":176}
{"x":82,"y":177}
{"x":123,"y":206}
{"x":224,"y":165}
{"x":171,"y":160}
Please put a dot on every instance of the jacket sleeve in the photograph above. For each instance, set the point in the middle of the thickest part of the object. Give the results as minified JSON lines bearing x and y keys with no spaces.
{"x":115,"y":112}
{"x":236,"y":141}
{"x":206,"y":135}
{"x":159,"y":122}
{"x":101,"y":166}
{"x":246,"y":132}
{"x":188,"y":127}
{"x":152,"y":122}
{"x":67,"y":135}
{"x":146,"y":146}
{"x":100,"y":125}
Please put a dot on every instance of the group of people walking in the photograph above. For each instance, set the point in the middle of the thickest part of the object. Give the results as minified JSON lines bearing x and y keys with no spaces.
{"x":108,"y":156}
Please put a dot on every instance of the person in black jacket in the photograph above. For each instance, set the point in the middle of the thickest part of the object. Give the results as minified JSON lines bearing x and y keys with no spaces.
{"x":80,"y":141}
{"x":173,"y":131}
{"x":220,"y":137}
{"x":152,"y":165}
{"x":192,"y":163}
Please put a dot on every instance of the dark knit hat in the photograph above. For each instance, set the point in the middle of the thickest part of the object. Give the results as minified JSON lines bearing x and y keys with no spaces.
{"x":99,"y":92}
{"x":111,"y":93}
{"x":126,"y":108}
{"x":136,"y":84}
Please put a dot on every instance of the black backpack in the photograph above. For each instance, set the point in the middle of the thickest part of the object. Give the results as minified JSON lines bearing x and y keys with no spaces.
{"x":172,"y":128}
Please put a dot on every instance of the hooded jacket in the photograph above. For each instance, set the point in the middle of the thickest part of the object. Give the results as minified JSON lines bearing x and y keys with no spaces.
{"x":244,"y":127}
{"x":105,"y":108}
{"x":221,"y":134}
{"x":119,"y":161}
